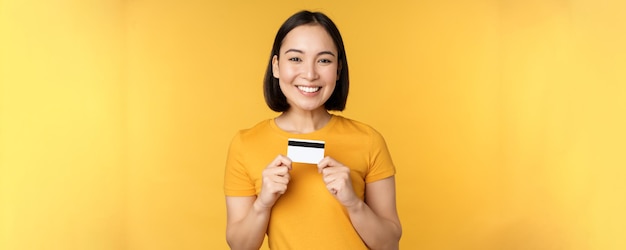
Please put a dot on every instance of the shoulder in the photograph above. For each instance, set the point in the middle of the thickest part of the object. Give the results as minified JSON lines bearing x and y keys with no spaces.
{"x":349,"y":129}
{"x":345,"y":124}
{"x":259,"y":128}
{"x":252,"y":133}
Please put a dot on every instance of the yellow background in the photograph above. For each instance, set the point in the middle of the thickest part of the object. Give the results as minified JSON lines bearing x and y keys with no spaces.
{"x":506,"y":119}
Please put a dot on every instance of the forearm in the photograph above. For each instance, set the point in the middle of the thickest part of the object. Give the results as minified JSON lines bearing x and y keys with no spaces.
{"x":249,"y":233}
{"x":376,"y":232}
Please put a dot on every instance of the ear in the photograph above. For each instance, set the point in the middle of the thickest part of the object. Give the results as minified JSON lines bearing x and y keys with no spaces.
{"x":275,"y":71}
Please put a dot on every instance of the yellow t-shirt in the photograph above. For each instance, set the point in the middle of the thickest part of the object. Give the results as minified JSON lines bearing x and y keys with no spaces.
{"x":307,"y":216}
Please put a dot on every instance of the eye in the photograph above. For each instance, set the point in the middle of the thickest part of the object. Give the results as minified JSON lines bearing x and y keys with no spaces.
{"x":295,"y":59}
{"x":325,"y":61}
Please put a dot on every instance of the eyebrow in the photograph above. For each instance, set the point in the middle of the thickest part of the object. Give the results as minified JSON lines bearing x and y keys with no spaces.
{"x":326,"y":52}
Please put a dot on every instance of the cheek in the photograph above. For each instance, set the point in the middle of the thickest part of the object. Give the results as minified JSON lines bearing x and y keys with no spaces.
{"x":331,"y":87}
{"x":331,"y":75}
{"x":287,"y":73}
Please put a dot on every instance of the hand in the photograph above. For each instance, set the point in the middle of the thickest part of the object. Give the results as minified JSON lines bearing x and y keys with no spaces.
{"x":337,"y":179}
{"x":274,"y":182}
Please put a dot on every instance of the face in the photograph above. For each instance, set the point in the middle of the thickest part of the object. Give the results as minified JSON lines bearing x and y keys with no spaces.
{"x":307,"y":67}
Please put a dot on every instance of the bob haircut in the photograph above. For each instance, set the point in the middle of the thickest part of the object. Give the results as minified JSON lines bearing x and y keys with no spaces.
{"x":274,"y":97}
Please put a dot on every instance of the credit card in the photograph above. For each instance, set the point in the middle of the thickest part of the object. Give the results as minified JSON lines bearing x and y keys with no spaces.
{"x":305,"y":151}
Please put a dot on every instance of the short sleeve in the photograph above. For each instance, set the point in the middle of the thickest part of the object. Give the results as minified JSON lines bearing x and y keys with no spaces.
{"x":381,"y":165}
{"x":237,"y":181}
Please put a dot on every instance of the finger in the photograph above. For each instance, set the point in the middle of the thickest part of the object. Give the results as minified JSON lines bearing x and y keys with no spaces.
{"x":337,"y":178}
{"x":282,"y":189}
{"x":280,"y":179}
{"x":335,"y":170}
{"x":282,"y":160}
{"x":326,"y":171}
{"x":277,"y":188}
{"x":281,"y":170}
{"x":275,"y":171}
{"x":334,"y":179}
{"x":325,"y":163}
{"x":333,"y":189}
{"x":328,"y":179}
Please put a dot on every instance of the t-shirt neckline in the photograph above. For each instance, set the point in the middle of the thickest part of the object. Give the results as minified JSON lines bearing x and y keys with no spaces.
{"x":330,"y":124}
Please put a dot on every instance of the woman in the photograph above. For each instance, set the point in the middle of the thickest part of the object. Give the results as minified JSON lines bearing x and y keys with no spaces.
{"x":347,"y":200}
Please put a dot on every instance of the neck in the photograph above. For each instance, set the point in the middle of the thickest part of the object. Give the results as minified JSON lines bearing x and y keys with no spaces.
{"x":299,"y":122}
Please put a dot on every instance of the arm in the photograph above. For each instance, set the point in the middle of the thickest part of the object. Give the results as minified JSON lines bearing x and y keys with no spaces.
{"x":375,"y":219}
{"x":248,"y":216}
{"x":246,"y":222}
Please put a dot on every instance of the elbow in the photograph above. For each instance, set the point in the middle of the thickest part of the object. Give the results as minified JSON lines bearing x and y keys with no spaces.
{"x":237,"y":243}
{"x":390,"y":245}
{"x":398,"y":233}
{"x":398,"y":236}
{"x":234,"y":244}
{"x":392,"y":242}
{"x":231,"y":239}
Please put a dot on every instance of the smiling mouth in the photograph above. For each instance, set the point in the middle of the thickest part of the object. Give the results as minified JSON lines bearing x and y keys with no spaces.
{"x":309,"y":89}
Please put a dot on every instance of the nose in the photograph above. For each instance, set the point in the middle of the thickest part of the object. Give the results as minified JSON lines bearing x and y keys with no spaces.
{"x":310,"y":71}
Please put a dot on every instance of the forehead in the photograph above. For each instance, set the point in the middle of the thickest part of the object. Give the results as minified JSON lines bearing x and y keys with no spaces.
{"x":310,"y":37}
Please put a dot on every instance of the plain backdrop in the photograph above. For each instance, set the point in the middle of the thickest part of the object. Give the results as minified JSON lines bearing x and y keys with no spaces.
{"x":505,"y":119}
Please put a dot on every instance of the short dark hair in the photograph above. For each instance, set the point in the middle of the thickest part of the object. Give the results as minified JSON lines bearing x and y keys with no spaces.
{"x":274,"y":97}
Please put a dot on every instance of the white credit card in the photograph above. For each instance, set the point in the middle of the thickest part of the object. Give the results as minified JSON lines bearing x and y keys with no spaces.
{"x":305,"y":151}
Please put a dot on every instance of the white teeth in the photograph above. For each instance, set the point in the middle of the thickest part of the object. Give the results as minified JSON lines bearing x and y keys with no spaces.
{"x":309,"y":89}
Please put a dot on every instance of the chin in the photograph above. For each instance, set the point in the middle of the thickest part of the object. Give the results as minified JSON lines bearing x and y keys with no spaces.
{"x":309,"y":107}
